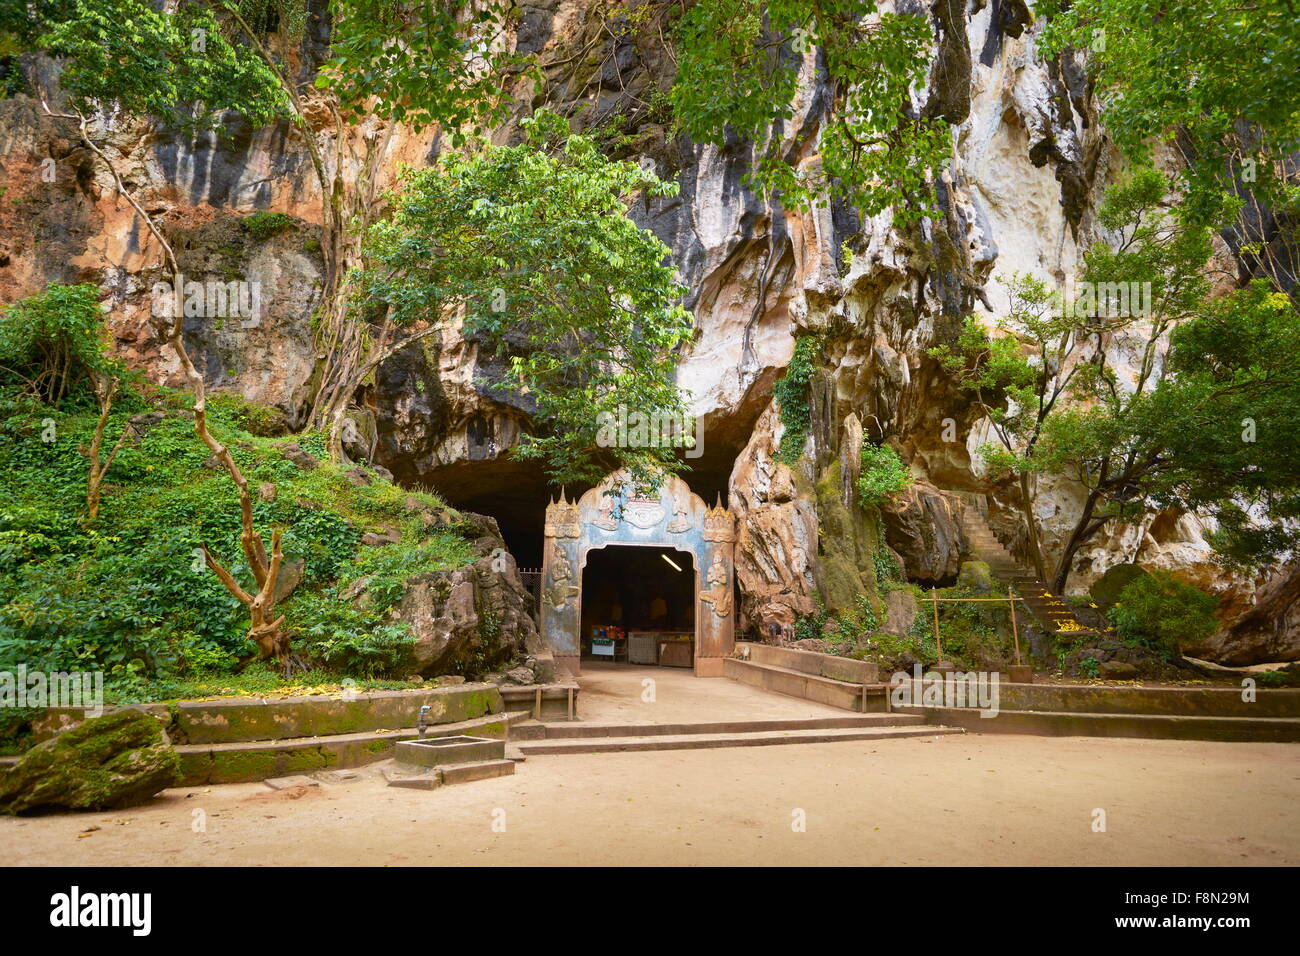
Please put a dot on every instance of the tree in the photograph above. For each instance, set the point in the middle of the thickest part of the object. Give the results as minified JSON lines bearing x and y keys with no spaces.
{"x":1055,"y":383}
{"x":105,"y":391}
{"x":1225,"y":419}
{"x":739,"y":67}
{"x":530,"y":248}
{"x":1219,"y":81}
{"x":144,"y":62}
{"x":443,"y":63}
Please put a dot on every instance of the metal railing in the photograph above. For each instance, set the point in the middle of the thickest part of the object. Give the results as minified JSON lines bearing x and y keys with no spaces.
{"x":1010,"y":600}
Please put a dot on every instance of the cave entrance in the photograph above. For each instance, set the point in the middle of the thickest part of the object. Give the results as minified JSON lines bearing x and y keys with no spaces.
{"x":638,"y":605}
{"x":581,"y":587}
{"x":512,"y":491}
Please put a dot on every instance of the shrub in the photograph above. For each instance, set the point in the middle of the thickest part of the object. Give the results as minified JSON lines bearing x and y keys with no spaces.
{"x":263,"y":225}
{"x":1163,"y":613}
{"x":52,"y":343}
{"x":883,"y":475}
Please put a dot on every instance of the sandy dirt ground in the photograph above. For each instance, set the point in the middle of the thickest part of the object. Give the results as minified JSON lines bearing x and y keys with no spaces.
{"x":965,"y":800}
{"x":627,"y":694}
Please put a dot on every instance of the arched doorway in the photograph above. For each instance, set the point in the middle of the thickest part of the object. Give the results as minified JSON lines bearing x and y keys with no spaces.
{"x":670,"y":519}
{"x":646,"y":591}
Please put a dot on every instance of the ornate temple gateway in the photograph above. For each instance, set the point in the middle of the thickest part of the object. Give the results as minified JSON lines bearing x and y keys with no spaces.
{"x":672,"y":518}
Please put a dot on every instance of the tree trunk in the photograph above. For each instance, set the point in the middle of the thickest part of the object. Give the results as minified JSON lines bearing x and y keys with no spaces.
{"x":95,"y":478}
{"x":1084,"y":529}
{"x":264,"y":629}
{"x":1035,"y":546}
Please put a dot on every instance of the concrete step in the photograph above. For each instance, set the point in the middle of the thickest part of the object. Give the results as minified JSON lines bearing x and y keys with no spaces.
{"x":577,"y":731}
{"x":250,"y":760}
{"x":1152,"y":726}
{"x":593,"y":745}
{"x":479,"y":770}
{"x":793,"y":683}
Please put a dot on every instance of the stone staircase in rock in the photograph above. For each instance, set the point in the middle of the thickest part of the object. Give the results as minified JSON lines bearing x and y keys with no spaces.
{"x":1050,"y":610}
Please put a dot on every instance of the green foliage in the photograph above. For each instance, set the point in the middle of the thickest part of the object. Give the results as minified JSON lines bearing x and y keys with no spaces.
{"x":176,"y":63}
{"x":1278,"y":679}
{"x":888,"y":574}
{"x":738,"y":70}
{"x":422,"y":64}
{"x":130,"y":595}
{"x":252,"y":417}
{"x":883,"y":475}
{"x":534,"y":244}
{"x":843,"y":629}
{"x":1163,"y":613}
{"x":1226,"y":421}
{"x":52,"y":343}
{"x":1222,"y":76}
{"x":346,"y":638}
{"x":976,"y":635}
{"x":263,"y":225}
{"x":792,"y":397}
{"x":11,"y":76}
{"x":808,"y":627}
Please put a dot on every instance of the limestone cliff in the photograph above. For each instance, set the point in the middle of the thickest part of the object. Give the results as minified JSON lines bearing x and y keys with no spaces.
{"x":1029,"y":164}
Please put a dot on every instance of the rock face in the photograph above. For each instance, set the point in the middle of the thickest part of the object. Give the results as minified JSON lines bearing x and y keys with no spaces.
{"x":479,"y":614}
{"x":118,"y":760}
{"x":1029,"y":165}
{"x":923,"y":525}
{"x":777,"y":537}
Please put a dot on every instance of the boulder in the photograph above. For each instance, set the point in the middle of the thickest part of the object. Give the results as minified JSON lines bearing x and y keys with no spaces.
{"x":299,"y":456}
{"x":975,"y":576}
{"x":900,"y":612}
{"x":377,"y":539}
{"x":1106,"y":589}
{"x":923,"y":524}
{"x":109,"y":762}
{"x":1117,"y":670}
{"x":481,"y":612}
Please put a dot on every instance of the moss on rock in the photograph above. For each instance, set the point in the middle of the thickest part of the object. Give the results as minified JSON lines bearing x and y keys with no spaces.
{"x":108,"y":762}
